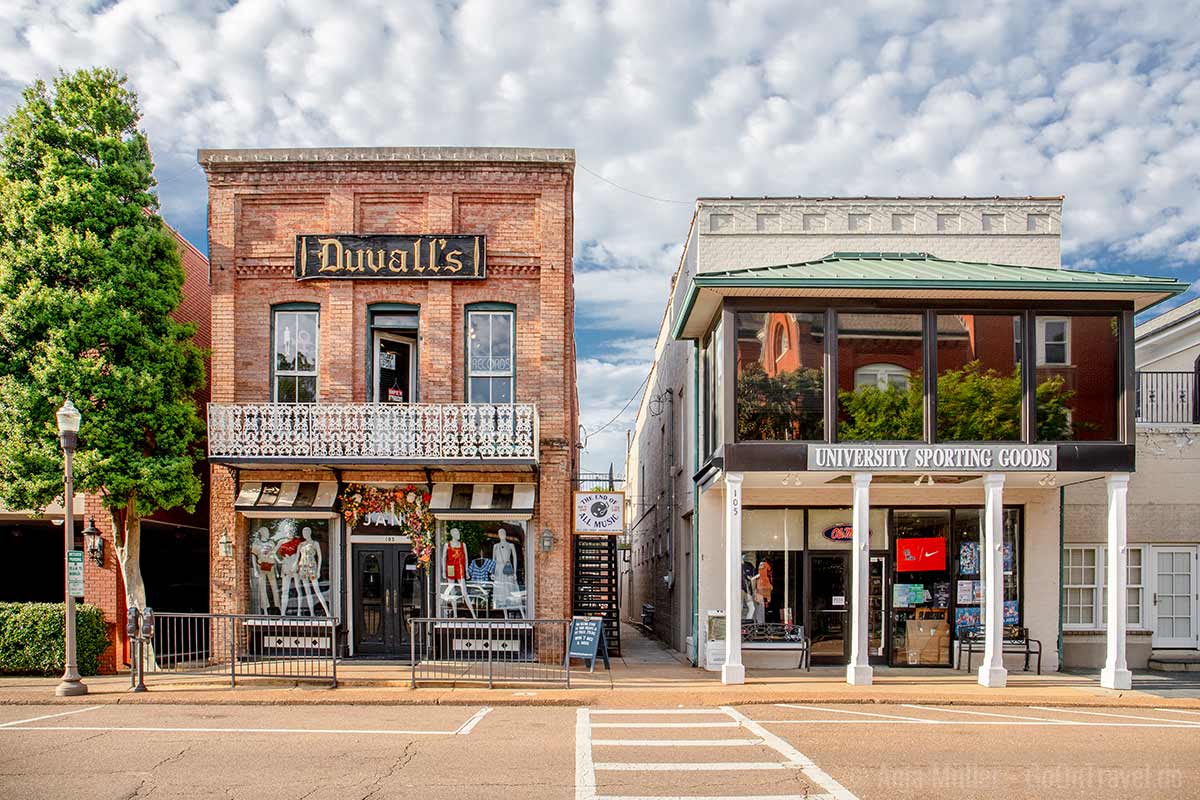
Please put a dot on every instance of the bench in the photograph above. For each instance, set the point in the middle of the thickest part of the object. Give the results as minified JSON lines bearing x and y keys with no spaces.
{"x":776,"y":636}
{"x":1016,"y":640}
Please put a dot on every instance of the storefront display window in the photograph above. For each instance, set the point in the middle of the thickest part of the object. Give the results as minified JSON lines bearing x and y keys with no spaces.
{"x":772,"y":569}
{"x":979,"y":378}
{"x":780,"y":377}
{"x":921,"y":602}
{"x":880,"y":361}
{"x":483,"y":569}
{"x":1078,"y":377}
{"x":290,"y":567}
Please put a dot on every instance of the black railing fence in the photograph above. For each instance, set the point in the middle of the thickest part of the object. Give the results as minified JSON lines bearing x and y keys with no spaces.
{"x":1168,"y":397}
{"x":491,"y":651}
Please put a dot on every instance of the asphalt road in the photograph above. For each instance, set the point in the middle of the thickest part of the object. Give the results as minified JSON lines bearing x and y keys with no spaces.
{"x":462,"y":753}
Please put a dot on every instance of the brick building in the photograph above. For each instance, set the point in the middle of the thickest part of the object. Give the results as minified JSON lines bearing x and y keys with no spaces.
{"x":174,"y":554}
{"x":387,"y":318}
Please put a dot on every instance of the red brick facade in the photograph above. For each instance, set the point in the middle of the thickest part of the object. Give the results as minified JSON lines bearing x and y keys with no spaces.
{"x":259,"y":201}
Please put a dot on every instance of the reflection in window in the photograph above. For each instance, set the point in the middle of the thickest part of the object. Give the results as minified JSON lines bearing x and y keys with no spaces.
{"x":1078,"y":378}
{"x":780,"y":387}
{"x":295,"y":360}
{"x":885,"y":352}
{"x":490,"y":365}
{"x":979,"y":378}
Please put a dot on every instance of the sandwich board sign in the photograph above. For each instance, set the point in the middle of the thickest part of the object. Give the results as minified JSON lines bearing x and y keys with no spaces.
{"x":587,"y":641}
{"x":75,"y":573}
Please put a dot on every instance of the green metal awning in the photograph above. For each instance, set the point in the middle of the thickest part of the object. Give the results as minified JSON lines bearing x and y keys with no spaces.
{"x":912,"y":275}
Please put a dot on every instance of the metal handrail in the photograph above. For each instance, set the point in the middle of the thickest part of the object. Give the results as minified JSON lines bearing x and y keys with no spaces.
{"x":491,"y":651}
{"x":1167,"y":396}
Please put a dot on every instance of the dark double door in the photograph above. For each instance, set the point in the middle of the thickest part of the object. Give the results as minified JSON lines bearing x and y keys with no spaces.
{"x":389,"y":590}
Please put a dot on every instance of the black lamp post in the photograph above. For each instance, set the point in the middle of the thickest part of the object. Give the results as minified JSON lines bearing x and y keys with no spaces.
{"x":68,"y":435}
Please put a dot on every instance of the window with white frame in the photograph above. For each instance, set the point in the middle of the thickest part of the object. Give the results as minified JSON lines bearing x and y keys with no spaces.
{"x":491,"y":366}
{"x":294,"y":362}
{"x":1054,"y":341}
{"x":881,"y":376}
{"x":1084,"y":592}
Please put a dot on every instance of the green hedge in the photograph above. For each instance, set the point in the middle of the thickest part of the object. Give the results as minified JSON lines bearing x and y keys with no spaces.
{"x":32,"y":638}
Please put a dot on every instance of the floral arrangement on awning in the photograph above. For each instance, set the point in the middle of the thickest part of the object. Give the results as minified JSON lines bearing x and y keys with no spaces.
{"x":408,"y":504}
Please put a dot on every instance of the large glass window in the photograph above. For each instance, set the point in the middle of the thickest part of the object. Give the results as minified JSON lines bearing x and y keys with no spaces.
{"x":780,"y":377}
{"x":880,"y":360}
{"x":772,"y":571}
{"x":979,"y":378}
{"x":491,"y":367}
{"x":1078,"y":378}
{"x":921,"y":600}
{"x":1085,"y":593}
{"x":295,"y":358}
{"x":483,"y":569}
{"x":969,"y":570}
{"x":290,"y":561}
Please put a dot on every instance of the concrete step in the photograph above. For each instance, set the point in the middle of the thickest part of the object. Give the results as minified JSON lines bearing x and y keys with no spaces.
{"x":1175,"y":661}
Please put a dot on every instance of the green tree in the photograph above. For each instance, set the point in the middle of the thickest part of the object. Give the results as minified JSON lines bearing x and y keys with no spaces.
{"x":88,"y":279}
{"x":786,"y":406}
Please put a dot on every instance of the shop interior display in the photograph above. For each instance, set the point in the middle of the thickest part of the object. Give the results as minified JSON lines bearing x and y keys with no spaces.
{"x":488,"y":584}
{"x":454,"y":572}
{"x":284,"y":561}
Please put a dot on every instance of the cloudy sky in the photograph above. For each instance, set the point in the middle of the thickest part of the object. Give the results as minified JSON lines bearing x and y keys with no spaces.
{"x":1098,"y":100}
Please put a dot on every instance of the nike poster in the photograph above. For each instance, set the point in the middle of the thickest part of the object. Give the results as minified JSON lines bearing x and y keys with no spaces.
{"x":921,"y":555}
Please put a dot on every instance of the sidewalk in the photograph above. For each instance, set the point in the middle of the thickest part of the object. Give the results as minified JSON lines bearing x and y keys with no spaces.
{"x":646,"y":676}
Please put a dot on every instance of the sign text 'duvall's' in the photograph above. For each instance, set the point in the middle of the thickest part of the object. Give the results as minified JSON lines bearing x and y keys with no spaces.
{"x":391,"y":256}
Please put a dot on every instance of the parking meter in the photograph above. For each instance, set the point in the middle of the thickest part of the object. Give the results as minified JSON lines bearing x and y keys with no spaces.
{"x":148,"y":623}
{"x":133,"y":623}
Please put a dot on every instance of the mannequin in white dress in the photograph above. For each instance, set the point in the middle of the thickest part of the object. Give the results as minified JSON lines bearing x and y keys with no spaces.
{"x":506,"y":592}
{"x":287,"y":553}
{"x":454,"y":572}
{"x":309,"y":568}
{"x":262,"y":567}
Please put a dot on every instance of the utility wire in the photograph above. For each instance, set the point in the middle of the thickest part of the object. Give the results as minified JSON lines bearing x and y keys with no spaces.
{"x":622,"y":411}
{"x":632,"y":191}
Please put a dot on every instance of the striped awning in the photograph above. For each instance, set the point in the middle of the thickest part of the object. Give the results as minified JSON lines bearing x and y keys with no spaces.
{"x":287,"y":498}
{"x":498,"y":501}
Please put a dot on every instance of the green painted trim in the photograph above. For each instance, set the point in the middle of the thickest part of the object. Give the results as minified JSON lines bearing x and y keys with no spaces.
{"x":695,"y":503}
{"x":1062,"y":550}
{"x":487,"y":305}
{"x":386,"y":308}
{"x":1170,"y":285}
{"x":291,"y":306}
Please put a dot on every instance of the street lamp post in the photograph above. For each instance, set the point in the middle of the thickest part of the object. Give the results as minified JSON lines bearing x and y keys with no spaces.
{"x":68,"y":434}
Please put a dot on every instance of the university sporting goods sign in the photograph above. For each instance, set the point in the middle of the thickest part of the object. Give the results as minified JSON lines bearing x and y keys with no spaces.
{"x":933,"y":457}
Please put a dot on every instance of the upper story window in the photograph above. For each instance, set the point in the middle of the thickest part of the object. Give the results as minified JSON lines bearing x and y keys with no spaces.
{"x":882,"y":376}
{"x":979,"y":380}
{"x":781,"y":341}
{"x":1079,"y":378}
{"x":1054,"y":341}
{"x":491,"y":362}
{"x":780,"y":389}
{"x":294,"y":362}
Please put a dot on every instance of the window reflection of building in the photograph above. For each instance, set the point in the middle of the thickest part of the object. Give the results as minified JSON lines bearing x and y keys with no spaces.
{"x":780,"y":376}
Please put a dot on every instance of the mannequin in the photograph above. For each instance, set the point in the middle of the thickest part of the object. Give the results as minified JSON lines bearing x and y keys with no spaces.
{"x":287,"y":553}
{"x":506,"y":591}
{"x":262,"y":567}
{"x":310,"y":571}
{"x":454,"y":571}
{"x":765,"y":584}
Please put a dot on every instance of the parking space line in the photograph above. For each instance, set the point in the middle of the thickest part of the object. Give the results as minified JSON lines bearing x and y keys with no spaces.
{"x":47,"y":716}
{"x":675,"y":742}
{"x":1178,"y":711}
{"x":720,"y":797}
{"x":664,"y":724}
{"x":990,"y":714}
{"x":655,"y":711}
{"x":655,"y":766}
{"x":848,"y":711}
{"x":811,"y":770}
{"x":1105,"y":714}
{"x":470,"y":724}
{"x":163,"y":729}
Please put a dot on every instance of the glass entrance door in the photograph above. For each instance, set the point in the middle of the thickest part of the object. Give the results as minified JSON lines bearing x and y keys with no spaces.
{"x":389,"y":589}
{"x":395,"y":368}
{"x":1173,"y":601}
{"x":829,"y":607}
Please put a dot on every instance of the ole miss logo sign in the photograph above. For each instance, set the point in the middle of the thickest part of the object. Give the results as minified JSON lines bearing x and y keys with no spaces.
{"x":840,"y":533}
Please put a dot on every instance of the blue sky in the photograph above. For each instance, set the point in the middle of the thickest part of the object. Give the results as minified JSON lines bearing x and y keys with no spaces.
{"x":1097,"y":100}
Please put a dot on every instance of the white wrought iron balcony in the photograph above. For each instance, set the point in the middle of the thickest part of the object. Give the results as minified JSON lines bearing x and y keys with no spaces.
{"x":373,"y":432}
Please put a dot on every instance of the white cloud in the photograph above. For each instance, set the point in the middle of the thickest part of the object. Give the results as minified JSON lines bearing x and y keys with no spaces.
{"x":1095,"y":99}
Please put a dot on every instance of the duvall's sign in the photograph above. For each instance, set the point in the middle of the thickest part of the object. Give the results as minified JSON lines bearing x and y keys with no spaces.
{"x":430,"y":256}
{"x":933,"y":457}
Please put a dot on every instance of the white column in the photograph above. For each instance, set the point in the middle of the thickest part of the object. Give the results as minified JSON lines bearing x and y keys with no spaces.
{"x":733,"y":671}
{"x":992,"y":672}
{"x":858,"y":671}
{"x":1116,"y":674}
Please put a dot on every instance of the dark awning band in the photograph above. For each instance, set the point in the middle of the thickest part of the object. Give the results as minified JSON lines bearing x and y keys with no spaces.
{"x":276,"y":498}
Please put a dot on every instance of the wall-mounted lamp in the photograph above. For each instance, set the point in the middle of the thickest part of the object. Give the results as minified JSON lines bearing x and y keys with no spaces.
{"x":93,"y":543}
{"x":226,"y":545}
{"x":547,"y":540}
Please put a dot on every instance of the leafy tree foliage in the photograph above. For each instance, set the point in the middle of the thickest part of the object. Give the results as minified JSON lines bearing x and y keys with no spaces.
{"x":787,"y":406}
{"x":88,"y":279}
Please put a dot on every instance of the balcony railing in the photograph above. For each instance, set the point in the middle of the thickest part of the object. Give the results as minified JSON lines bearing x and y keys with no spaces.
{"x":373,"y":432}
{"x":1168,"y":397}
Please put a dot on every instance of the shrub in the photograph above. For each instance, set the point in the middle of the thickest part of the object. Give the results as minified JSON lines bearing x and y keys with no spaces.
{"x":32,"y":638}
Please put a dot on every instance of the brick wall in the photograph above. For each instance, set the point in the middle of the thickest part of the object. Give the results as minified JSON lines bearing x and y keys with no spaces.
{"x":259,"y":202}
